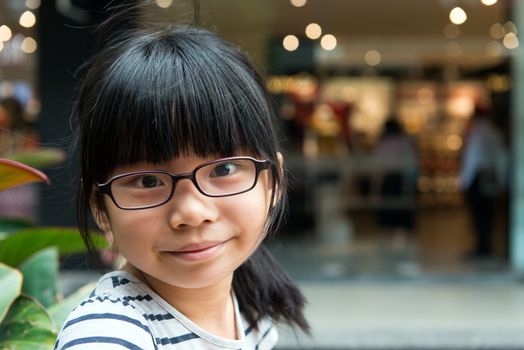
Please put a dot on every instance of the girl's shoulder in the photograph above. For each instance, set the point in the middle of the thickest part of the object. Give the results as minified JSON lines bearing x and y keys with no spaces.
{"x":109,"y":315}
{"x":117,"y":288}
{"x":264,"y":336}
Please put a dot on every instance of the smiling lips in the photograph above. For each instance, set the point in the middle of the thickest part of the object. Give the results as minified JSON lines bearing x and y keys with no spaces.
{"x":199,"y":252}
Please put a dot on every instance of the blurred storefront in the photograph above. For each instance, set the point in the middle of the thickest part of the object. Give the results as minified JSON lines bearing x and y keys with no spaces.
{"x":337,"y":70}
{"x":339,"y":78}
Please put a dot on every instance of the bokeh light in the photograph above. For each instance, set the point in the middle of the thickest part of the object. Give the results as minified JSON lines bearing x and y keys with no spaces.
{"x":313,"y":31}
{"x":5,"y":33}
{"x":298,"y":3}
{"x":373,"y":57}
{"x":164,"y":3}
{"x":290,"y":43}
{"x":458,"y":16}
{"x":510,"y":41}
{"x":28,"y":45}
{"x":328,"y":42}
{"x":27,"y":19}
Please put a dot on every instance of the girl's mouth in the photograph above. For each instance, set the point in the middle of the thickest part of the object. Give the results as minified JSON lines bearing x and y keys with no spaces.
{"x":199,"y":252}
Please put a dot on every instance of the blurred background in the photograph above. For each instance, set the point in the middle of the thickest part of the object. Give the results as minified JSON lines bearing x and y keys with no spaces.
{"x":400,"y":125}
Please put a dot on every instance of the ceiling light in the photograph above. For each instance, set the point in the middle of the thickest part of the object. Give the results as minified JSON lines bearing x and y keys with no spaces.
{"x":5,"y":33}
{"x":496,"y":31}
{"x":458,"y":16}
{"x":511,"y":41}
{"x":27,"y":19}
{"x":313,"y":31}
{"x":372,"y":57}
{"x":298,"y":3}
{"x":290,"y":43}
{"x":328,"y":42}
{"x":32,"y":4}
{"x":28,"y":45}
{"x":488,"y":2}
{"x":164,"y":3}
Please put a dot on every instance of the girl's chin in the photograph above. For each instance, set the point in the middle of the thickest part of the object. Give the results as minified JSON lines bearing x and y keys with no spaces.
{"x":201,"y":282}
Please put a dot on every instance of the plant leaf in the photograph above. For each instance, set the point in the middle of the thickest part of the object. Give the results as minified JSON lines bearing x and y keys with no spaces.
{"x":27,"y":326}
{"x":40,"y":272}
{"x":14,"y":174}
{"x":11,"y":284}
{"x":10,"y":225}
{"x":61,"y":310}
{"x":20,"y":245}
{"x":43,"y":157}
{"x":27,"y":309}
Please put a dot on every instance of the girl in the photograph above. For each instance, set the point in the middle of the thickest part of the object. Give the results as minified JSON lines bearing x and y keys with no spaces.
{"x":180,"y":168}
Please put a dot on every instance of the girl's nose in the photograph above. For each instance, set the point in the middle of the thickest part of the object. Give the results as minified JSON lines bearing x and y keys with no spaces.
{"x":190,"y":208}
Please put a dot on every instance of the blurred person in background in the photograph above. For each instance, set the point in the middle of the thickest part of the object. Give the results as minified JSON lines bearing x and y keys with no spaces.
{"x":483,"y":177}
{"x":396,"y":171}
{"x":16,"y":134}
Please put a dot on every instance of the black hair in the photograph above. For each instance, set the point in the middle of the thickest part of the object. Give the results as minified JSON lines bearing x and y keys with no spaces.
{"x":392,"y":126}
{"x":154,"y":94}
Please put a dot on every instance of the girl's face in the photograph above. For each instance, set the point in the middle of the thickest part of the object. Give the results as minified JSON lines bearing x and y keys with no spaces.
{"x":192,"y":241}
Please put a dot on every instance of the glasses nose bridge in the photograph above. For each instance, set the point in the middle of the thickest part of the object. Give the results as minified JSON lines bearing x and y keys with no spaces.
{"x":175,"y":178}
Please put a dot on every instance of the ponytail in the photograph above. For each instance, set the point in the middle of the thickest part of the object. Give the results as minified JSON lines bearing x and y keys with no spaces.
{"x":263,"y":289}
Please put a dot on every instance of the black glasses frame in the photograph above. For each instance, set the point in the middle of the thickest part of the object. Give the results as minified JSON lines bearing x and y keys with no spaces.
{"x":105,"y":187}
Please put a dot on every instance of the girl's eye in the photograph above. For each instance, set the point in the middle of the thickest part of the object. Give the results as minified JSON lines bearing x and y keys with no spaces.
{"x":149,"y":181}
{"x":223,"y":169}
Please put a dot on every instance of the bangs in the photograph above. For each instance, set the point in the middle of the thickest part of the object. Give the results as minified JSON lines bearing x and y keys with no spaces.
{"x":168,"y":96}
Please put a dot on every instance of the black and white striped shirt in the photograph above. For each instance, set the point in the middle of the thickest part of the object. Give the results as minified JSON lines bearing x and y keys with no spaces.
{"x":124,"y":313}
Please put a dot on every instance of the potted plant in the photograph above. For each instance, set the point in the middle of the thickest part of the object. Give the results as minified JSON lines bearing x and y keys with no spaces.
{"x":32,"y":309}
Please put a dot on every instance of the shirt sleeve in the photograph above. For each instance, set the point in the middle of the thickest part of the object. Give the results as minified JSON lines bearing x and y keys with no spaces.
{"x":104,"y":323}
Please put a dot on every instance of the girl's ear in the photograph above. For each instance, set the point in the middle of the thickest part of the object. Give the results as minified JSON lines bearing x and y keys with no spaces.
{"x":103,"y":223}
{"x":100,"y":216}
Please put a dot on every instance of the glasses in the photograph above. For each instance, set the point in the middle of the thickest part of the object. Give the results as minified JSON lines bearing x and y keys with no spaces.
{"x":152,"y":188}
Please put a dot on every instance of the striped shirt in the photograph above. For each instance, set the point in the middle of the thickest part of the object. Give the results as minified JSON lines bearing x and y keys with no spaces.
{"x":124,"y":313}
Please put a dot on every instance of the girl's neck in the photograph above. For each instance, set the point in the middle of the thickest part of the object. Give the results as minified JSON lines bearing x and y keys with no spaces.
{"x":211,"y":308}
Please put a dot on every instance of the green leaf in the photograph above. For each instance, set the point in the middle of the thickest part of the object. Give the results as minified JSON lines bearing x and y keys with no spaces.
{"x":10,"y":284}
{"x":61,"y":310}
{"x":26,"y":309}
{"x":10,"y":225}
{"x":26,"y":336}
{"x":43,"y":157}
{"x":12,"y":345}
{"x":19,"y":246}
{"x":40,"y":271}
{"x":27,"y":326}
